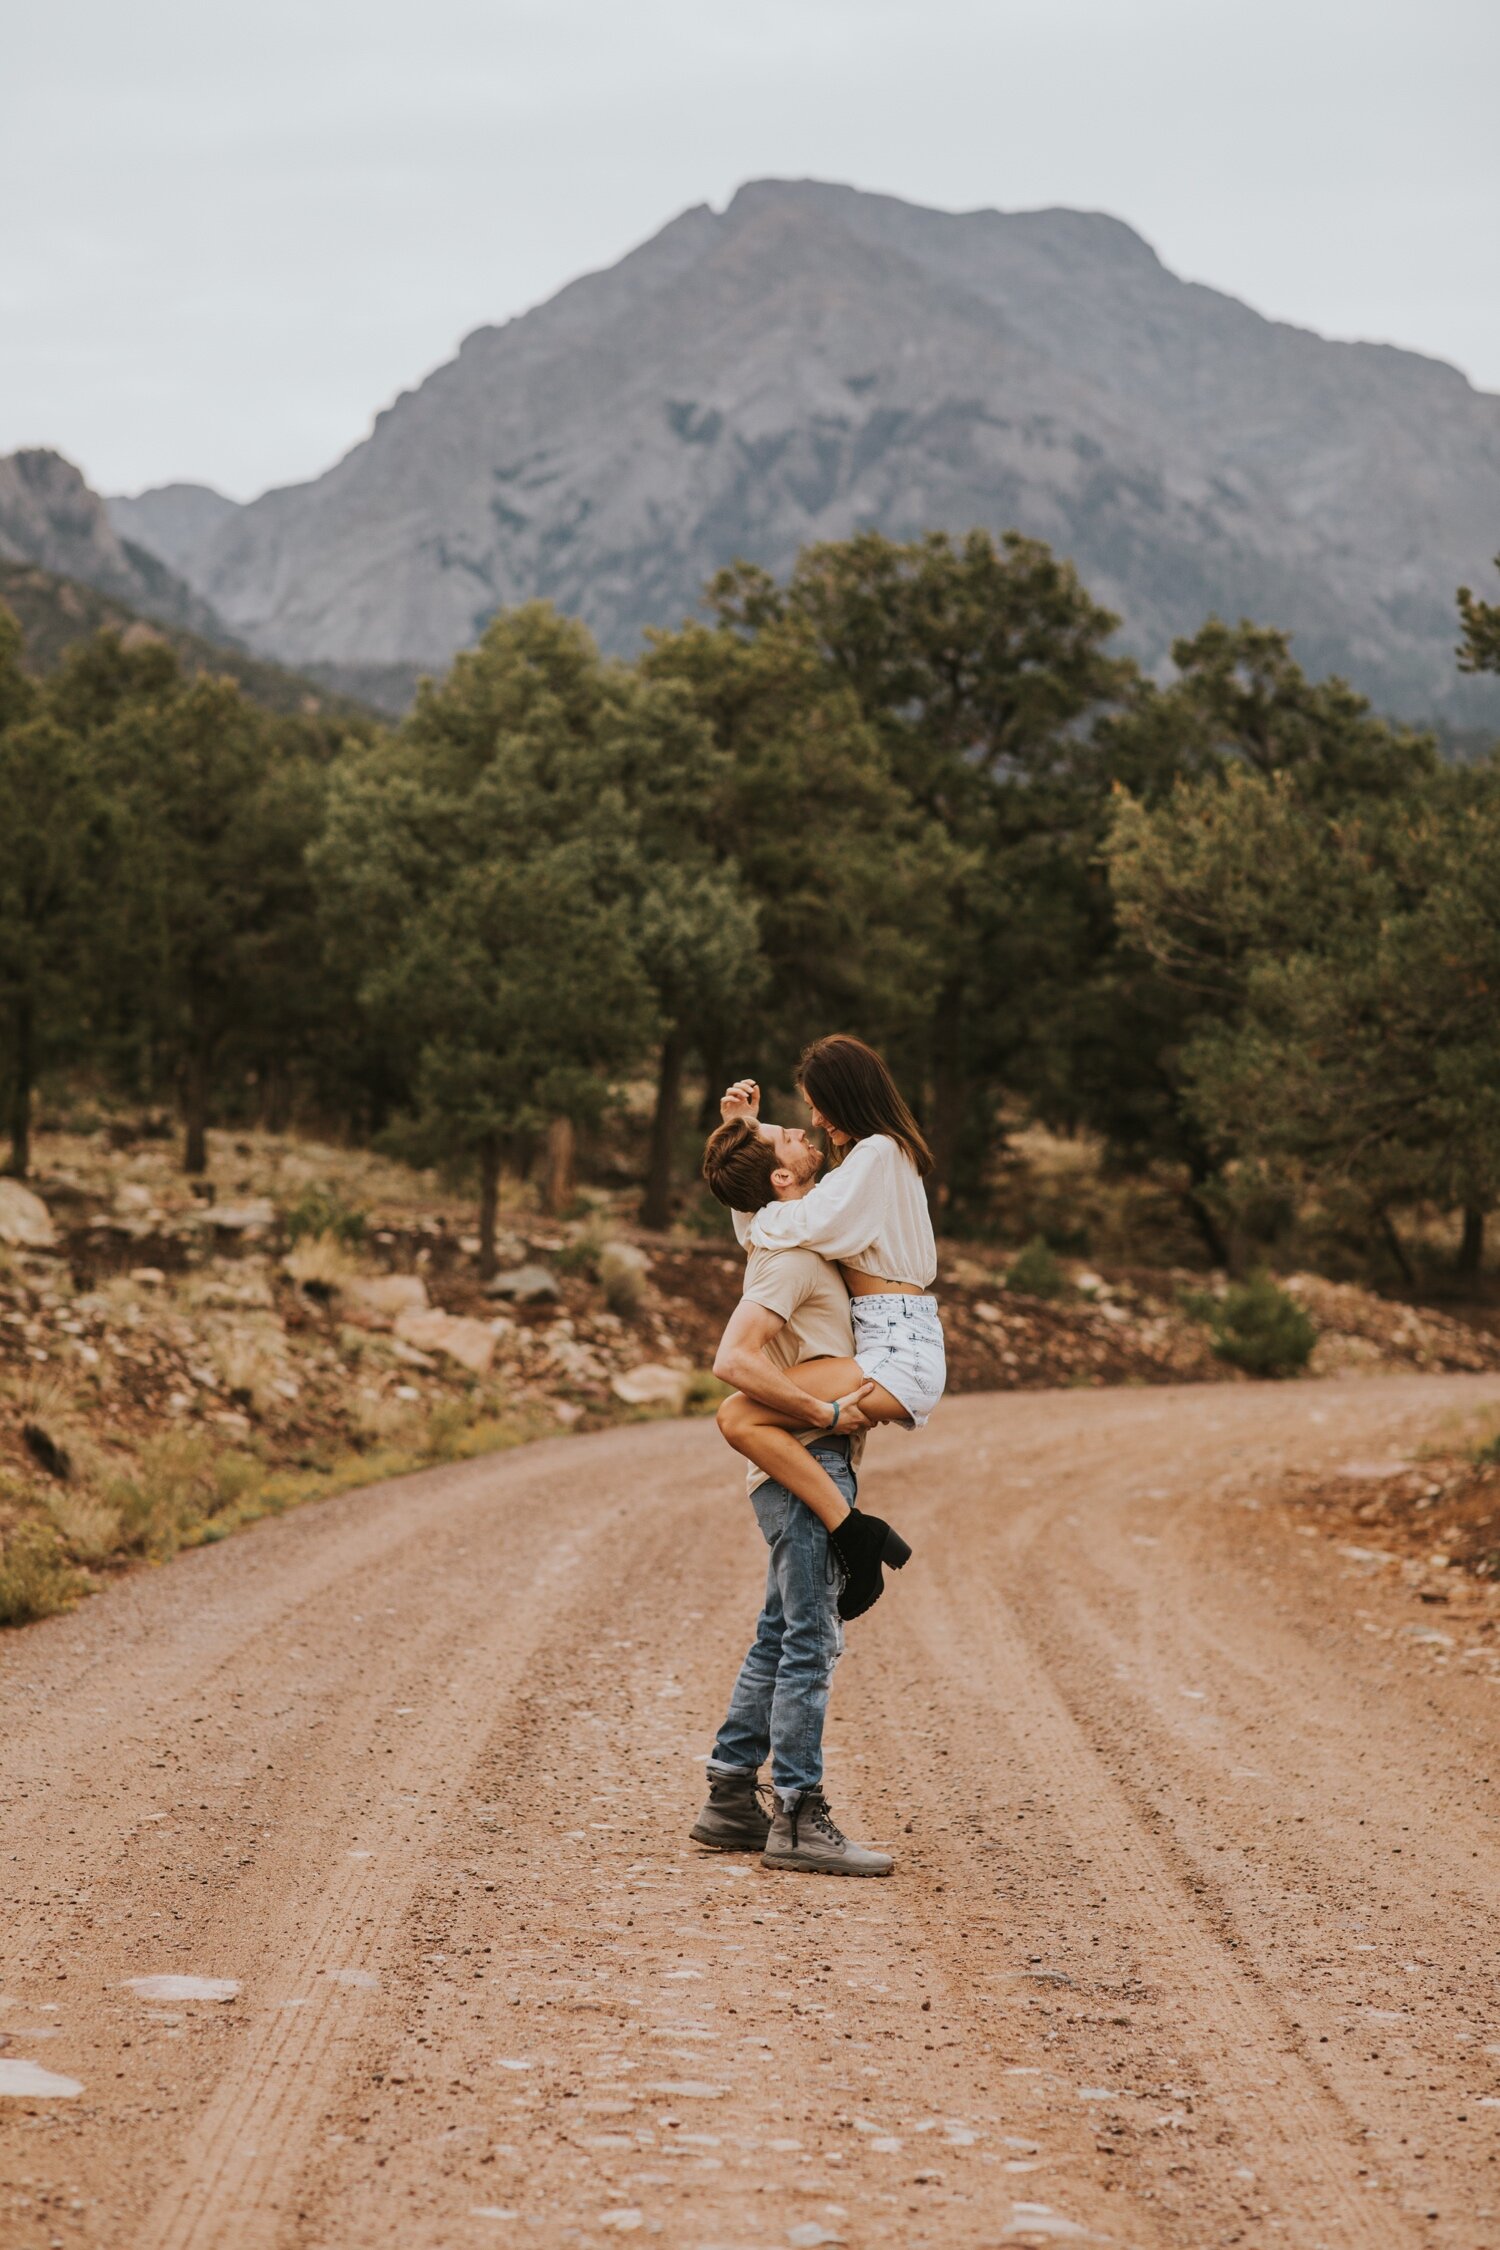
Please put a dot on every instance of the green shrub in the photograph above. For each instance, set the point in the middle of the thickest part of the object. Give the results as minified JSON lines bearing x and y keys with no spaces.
{"x":622,"y":1277}
{"x":704,"y":1215}
{"x":582,"y":1253}
{"x":1258,"y":1327}
{"x":1035,"y":1272}
{"x":322,"y":1210}
{"x":1487,"y":1456}
{"x":1068,"y":1242}
{"x":704,"y":1392}
{"x":36,"y":1578}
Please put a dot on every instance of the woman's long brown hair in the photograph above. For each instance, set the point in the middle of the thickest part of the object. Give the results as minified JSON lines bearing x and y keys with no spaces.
{"x":850,"y":1084}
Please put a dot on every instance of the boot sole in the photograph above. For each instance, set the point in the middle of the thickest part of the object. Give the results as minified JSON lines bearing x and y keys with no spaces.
{"x":813,"y":1867}
{"x":726,"y":1843}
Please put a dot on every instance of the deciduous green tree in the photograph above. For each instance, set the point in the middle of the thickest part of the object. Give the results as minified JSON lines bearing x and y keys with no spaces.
{"x":1347,"y":968}
{"x":847,"y":877}
{"x":977,"y":666}
{"x":1239,"y":707}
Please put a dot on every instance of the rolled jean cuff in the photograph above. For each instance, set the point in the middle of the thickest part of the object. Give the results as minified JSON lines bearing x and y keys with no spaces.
{"x":717,"y":1765}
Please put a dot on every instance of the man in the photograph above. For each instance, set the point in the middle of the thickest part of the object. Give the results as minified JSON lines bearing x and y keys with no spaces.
{"x":794,"y":1307}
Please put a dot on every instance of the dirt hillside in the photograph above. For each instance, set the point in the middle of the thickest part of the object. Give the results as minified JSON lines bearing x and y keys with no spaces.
{"x":179,"y":1358}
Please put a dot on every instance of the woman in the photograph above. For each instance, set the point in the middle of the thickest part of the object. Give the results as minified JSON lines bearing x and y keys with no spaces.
{"x":869,"y":1216}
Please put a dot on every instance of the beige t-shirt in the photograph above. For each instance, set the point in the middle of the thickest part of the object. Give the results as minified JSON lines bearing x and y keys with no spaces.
{"x":810,"y":1296}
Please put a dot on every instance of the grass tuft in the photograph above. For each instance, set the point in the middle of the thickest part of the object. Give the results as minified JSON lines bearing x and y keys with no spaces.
{"x":622,"y":1277}
{"x":704,"y":1392}
{"x":36,"y":1577}
{"x":322,"y":1210}
{"x":322,"y":1261}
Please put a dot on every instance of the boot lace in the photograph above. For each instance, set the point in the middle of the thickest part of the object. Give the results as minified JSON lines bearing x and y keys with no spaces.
{"x":813,"y":1808}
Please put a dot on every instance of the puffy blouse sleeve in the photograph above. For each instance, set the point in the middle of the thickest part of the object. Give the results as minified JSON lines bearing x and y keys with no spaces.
{"x":839,"y":1216}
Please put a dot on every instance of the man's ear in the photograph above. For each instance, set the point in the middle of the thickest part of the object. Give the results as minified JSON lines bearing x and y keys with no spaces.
{"x":782,"y":1179}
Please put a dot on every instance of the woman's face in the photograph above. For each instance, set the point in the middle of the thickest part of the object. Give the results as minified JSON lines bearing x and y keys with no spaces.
{"x":838,"y":1138}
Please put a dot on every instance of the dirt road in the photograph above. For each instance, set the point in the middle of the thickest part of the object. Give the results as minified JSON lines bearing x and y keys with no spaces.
{"x":1192,"y":1938}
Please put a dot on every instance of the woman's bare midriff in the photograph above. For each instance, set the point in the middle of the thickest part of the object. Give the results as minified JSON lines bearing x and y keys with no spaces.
{"x":875,"y":1285}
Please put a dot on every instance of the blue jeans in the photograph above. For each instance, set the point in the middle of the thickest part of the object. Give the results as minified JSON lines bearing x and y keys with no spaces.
{"x":781,"y":1695}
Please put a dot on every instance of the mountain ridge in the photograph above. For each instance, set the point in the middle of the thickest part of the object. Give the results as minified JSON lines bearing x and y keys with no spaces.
{"x":56,"y":613}
{"x":815,"y":359}
{"x":52,"y":518}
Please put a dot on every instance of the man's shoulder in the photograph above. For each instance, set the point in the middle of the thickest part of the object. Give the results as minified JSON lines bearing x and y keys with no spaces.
{"x":789,"y":1258}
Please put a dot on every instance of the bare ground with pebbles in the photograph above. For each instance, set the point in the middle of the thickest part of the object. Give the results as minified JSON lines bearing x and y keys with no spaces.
{"x":1191,"y":1941}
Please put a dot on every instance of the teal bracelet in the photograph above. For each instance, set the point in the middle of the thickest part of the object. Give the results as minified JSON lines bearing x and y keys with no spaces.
{"x":833,"y":1425}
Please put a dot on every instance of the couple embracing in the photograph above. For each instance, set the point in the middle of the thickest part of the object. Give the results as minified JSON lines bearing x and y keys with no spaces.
{"x":835,"y":1334}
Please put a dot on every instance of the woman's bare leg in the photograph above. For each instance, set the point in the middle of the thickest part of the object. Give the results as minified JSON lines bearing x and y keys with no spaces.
{"x":766,"y":1437}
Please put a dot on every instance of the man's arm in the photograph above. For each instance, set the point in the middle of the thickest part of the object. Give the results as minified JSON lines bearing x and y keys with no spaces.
{"x":741,"y":1362}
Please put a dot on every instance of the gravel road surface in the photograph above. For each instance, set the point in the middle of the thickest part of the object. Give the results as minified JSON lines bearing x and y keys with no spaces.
{"x":1192,"y":1939}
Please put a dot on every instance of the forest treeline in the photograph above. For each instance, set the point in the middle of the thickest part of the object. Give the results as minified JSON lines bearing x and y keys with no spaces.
{"x":1237,"y":924}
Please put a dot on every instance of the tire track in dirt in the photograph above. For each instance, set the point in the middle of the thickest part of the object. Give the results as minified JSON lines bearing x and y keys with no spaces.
{"x":269,"y":2100}
{"x":1120,"y":1833}
{"x":1283,"y":2118}
{"x":1083,"y":2010}
{"x":1352,"y":1861}
{"x":336,"y":1859}
{"x":799,"y":2007}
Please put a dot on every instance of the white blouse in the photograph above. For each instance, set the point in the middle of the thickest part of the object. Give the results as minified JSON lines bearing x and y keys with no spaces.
{"x":870,"y":1213}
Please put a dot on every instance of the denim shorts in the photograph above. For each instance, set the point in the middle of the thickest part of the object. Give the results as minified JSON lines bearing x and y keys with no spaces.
{"x":898,"y":1343}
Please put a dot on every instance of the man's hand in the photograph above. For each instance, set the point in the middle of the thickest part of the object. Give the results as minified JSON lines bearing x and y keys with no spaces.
{"x":852,"y":1415}
{"x":742,"y":1099}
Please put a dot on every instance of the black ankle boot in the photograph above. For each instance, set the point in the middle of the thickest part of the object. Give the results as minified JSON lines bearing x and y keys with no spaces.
{"x":861,"y":1544}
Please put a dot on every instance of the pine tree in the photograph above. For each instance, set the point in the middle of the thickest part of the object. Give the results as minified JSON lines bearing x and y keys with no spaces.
{"x":485,"y":866}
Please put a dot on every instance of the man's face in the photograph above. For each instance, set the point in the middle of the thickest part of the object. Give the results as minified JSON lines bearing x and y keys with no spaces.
{"x":794,"y":1152}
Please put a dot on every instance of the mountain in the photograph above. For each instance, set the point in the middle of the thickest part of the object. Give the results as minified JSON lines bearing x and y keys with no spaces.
{"x":175,"y":521}
{"x":50,"y":517}
{"x":54,"y":612}
{"x":814,"y":360}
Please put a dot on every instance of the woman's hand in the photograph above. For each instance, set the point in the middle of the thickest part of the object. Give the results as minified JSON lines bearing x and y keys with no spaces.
{"x":742,"y":1099}
{"x":851,"y":1414}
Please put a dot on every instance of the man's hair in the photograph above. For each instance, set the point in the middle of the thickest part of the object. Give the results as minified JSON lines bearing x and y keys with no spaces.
{"x":738,"y":1164}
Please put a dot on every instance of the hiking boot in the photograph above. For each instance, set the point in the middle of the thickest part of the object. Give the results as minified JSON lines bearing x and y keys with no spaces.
{"x":735,"y":1818}
{"x":860,"y":1545}
{"x":805,"y":1839}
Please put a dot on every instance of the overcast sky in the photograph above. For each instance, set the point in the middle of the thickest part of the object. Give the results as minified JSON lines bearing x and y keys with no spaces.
{"x":231,"y":233}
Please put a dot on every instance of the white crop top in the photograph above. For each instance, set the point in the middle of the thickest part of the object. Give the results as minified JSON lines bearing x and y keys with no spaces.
{"x":870,"y":1213}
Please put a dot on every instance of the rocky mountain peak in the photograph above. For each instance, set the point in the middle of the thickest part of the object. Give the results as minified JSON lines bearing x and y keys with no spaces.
{"x":815,"y":359}
{"x":176,"y":521}
{"x":50,"y":516}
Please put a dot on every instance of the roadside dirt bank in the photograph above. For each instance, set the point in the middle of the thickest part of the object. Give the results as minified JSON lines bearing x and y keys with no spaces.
{"x":1192,"y":1937}
{"x":180,"y":1358}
